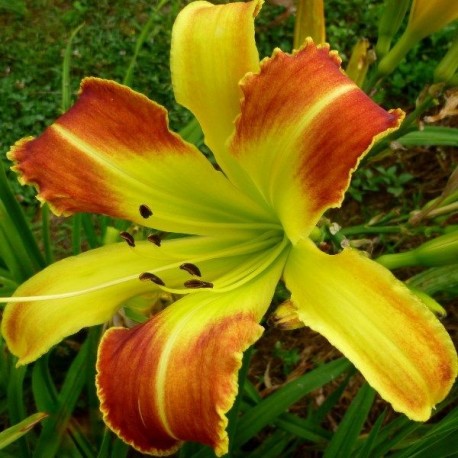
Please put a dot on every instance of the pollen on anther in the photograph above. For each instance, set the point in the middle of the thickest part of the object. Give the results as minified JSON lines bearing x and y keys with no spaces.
{"x":148,"y":276}
{"x":128,"y":238}
{"x":194,"y":284}
{"x":145,"y":211}
{"x":191,"y":269}
{"x":154,"y":238}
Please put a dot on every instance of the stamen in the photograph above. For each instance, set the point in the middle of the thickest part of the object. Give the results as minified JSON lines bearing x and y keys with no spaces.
{"x":228,"y":283}
{"x":154,"y":238}
{"x":145,"y":211}
{"x":195,"y":284}
{"x":148,"y":276}
{"x":128,"y":238}
{"x":191,"y":269}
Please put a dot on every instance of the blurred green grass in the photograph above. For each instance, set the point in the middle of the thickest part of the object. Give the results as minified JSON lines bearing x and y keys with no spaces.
{"x":32,"y":46}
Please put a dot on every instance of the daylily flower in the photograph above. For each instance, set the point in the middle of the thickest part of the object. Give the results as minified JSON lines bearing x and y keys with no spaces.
{"x":300,"y":130}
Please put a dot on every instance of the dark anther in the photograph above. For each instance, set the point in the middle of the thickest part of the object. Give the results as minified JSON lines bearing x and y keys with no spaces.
{"x":148,"y":276}
{"x":128,"y":238}
{"x":154,"y":238}
{"x":191,"y":269}
{"x":198,"y":284}
{"x":145,"y":211}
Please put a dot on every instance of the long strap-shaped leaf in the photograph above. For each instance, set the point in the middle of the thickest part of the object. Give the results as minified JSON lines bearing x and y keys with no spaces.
{"x":277,"y":403}
{"x":54,"y":427}
{"x":344,"y":440}
{"x":441,"y":440}
{"x":13,"y":433}
{"x":16,"y":215}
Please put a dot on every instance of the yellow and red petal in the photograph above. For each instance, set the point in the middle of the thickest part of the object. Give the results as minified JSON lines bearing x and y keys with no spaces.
{"x":112,"y":153}
{"x":174,"y":378}
{"x":213,"y":46}
{"x":398,"y":344}
{"x":105,"y":278}
{"x":303,"y":128}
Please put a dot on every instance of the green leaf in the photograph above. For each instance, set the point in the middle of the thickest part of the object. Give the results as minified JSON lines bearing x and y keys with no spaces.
{"x":17,"y":217}
{"x":301,"y":428}
{"x":277,"y":403}
{"x":15,"y":432}
{"x":431,"y":135}
{"x":55,"y":426}
{"x":441,"y":440}
{"x":392,"y":434}
{"x":273,"y":446}
{"x":436,"y":280}
{"x":316,"y":418}
{"x":368,"y":444}
{"x":344,"y":440}
{"x":233,"y":414}
{"x":16,"y":405}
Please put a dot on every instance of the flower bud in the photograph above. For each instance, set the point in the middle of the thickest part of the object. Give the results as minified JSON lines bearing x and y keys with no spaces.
{"x":440,"y":251}
{"x":426,"y":17}
{"x":429,"y":16}
{"x":361,"y":58}
{"x":389,"y":24}
{"x":309,"y":22}
{"x":286,"y":318}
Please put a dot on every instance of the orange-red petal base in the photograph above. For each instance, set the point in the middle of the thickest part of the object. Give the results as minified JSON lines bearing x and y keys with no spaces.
{"x":173,"y":378}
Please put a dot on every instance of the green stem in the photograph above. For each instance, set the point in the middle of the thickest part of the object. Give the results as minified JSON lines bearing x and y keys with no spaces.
{"x":363,"y":229}
{"x":401,"y":228}
{"x":374,"y":79}
{"x":396,"y":55}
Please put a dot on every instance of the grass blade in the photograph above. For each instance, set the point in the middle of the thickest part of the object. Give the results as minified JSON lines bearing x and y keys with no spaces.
{"x":277,"y":403}
{"x":273,"y":446}
{"x":66,"y":92}
{"x":46,"y":233}
{"x":55,"y":426}
{"x":16,"y":407}
{"x":232,"y":415}
{"x":13,"y":433}
{"x":15,"y":213}
{"x":395,"y":432}
{"x":316,"y":418}
{"x":301,"y":428}
{"x":344,"y":440}
{"x":430,"y":136}
{"x":368,"y":444}
{"x":12,"y":249}
{"x":141,"y":39}
{"x":441,"y":440}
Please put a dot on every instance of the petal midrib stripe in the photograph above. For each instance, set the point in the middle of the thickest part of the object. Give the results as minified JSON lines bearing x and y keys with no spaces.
{"x":312,"y":113}
{"x":163,"y":365}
